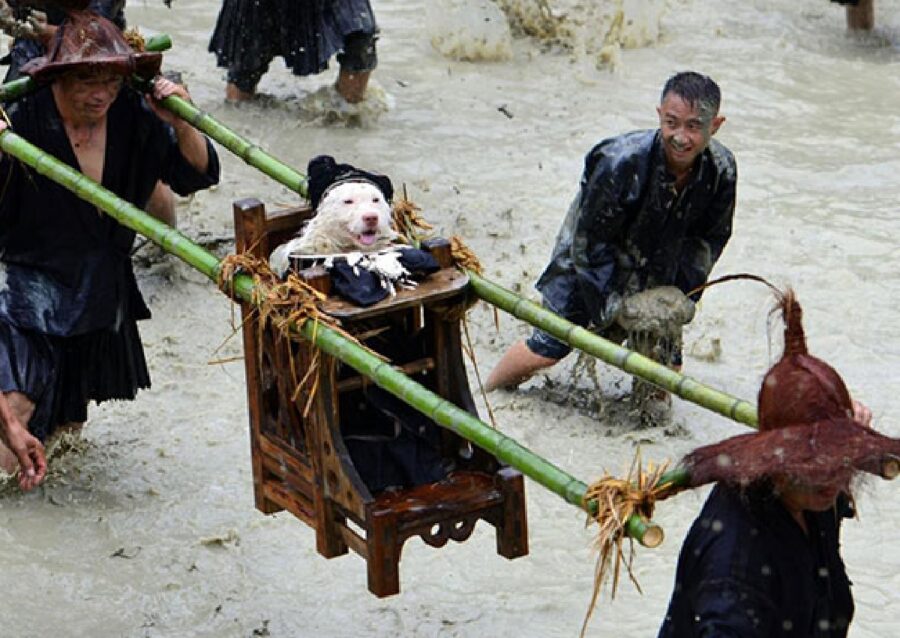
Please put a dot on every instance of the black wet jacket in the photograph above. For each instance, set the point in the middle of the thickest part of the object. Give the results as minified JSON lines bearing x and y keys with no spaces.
{"x":628,"y":229}
{"x":65,"y":267}
{"x":747,"y":570}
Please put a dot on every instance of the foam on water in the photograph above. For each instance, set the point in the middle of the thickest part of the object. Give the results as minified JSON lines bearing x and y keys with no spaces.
{"x":482,"y":30}
{"x":469,"y":30}
{"x":326,"y":106}
{"x":597,"y":29}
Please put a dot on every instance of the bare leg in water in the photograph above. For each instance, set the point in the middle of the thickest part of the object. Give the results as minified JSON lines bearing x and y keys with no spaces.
{"x":861,"y":17}
{"x":351,"y":85}
{"x":234,"y":94}
{"x":516,"y":366}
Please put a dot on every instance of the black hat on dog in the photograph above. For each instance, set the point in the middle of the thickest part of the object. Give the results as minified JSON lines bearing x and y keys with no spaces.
{"x":324,"y":173}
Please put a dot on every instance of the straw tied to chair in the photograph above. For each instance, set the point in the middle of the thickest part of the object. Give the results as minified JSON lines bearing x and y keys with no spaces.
{"x":361,"y":467}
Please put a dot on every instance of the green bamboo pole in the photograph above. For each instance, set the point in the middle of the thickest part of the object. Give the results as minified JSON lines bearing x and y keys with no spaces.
{"x":25,"y":85}
{"x":240,"y":146}
{"x":437,"y":408}
{"x":640,"y":366}
{"x":689,"y":389}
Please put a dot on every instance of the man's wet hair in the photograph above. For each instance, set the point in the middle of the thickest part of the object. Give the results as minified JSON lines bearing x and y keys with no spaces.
{"x":695,"y":89}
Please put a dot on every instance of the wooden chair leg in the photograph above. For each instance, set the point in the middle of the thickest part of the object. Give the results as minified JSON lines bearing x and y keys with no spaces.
{"x":329,"y":542}
{"x":512,"y":532}
{"x":384,"y":556}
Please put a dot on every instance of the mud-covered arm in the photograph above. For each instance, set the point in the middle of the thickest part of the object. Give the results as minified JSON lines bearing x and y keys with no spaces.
{"x":598,"y":222}
{"x":706,"y":239}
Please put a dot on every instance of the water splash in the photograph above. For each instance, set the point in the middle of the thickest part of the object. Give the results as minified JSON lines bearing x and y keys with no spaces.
{"x":326,"y":106}
{"x":596,"y":30}
{"x":469,"y":30}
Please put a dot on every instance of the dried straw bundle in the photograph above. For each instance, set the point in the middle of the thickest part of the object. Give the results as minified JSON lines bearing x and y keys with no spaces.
{"x":464,"y":257}
{"x":135,"y":39}
{"x":286,"y":305}
{"x":407,"y":221}
{"x":616,"y":501}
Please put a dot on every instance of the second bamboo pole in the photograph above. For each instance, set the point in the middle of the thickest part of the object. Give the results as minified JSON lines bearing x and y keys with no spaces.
{"x":440,"y":410}
{"x":640,"y":366}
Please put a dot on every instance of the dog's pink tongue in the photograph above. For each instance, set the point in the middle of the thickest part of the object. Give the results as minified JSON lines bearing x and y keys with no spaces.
{"x":367,"y":239}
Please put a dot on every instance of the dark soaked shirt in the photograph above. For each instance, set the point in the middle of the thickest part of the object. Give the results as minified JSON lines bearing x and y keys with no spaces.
{"x":746,"y":570}
{"x":65,"y":267}
{"x":628,"y":229}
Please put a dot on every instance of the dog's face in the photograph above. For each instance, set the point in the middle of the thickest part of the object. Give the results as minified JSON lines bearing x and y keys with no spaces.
{"x":356,"y":216}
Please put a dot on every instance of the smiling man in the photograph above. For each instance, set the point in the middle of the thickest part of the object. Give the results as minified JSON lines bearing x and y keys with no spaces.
{"x":654,"y":209}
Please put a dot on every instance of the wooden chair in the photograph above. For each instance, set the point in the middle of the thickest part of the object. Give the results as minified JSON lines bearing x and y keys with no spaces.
{"x":302,"y":464}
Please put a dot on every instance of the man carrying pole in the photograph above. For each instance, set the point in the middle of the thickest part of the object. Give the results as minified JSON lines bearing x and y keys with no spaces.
{"x":69,"y":302}
{"x":654,"y":209}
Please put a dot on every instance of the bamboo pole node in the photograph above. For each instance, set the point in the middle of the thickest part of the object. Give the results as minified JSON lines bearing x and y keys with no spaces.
{"x":610,"y":503}
{"x":890,"y":467}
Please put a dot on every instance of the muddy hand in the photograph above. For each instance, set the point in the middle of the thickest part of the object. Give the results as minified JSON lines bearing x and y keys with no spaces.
{"x":32,"y":459}
{"x":28,"y":450}
{"x":163,"y":88}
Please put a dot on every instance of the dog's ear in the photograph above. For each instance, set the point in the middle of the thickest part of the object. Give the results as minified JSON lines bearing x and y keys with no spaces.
{"x":383,"y":182}
{"x":321,"y":172}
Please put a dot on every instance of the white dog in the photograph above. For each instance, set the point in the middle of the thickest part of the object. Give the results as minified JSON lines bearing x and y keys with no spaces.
{"x":352,"y":216}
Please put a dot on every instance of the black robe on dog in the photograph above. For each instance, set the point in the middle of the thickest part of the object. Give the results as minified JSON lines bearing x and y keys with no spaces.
{"x":392,"y":444}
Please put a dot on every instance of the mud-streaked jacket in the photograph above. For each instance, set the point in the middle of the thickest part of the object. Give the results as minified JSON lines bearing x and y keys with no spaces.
{"x":628,"y":229}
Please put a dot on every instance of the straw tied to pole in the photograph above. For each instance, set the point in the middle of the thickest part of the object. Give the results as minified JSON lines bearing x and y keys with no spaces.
{"x":808,"y":438}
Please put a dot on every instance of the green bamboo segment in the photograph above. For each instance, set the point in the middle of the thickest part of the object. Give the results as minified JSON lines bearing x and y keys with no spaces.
{"x":25,"y":85}
{"x":158,"y":43}
{"x":240,"y":146}
{"x":437,"y":408}
{"x":16,"y":89}
{"x":689,"y":389}
{"x":640,"y":366}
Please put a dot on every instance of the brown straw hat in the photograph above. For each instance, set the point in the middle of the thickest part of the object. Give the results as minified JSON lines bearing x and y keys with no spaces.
{"x":806,"y":428}
{"x":87,"y":40}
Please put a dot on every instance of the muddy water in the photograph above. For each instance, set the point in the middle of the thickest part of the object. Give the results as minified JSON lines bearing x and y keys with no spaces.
{"x":148,"y":528}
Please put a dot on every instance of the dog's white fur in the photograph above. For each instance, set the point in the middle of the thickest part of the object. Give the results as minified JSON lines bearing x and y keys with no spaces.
{"x":351,"y":216}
